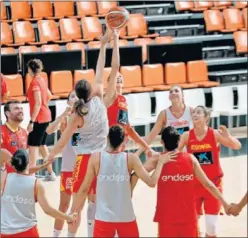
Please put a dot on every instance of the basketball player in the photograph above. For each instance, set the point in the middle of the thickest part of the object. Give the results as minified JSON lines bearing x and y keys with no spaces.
{"x":176,"y":209}
{"x":177,"y":115}
{"x":5,"y":157}
{"x":91,"y":122}
{"x":20,"y":193}
{"x":68,"y":161}
{"x":237,"y":208}
{"x":114,"y":209}
{"x":204,"y":143}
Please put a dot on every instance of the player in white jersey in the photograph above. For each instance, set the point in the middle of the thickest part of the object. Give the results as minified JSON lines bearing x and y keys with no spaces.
{"x":20,"y":193}
{"x":178,"y":115}
{"x":90,"y":121}
{"x":113,"y":168}
{"x":68,"y":160}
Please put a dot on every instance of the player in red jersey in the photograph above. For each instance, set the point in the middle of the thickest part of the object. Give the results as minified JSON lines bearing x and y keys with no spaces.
{"x":204,"y":143}
{"x":176,"y":210}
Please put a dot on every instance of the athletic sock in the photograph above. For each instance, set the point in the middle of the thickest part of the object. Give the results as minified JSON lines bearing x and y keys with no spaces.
{"x":70,"y":234}
{"x":91,"y":218}
{"x":56,"y":233}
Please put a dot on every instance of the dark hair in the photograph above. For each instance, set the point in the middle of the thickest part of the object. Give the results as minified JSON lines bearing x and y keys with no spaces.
{"x":20,"y":160}
{"x":7,"y":106}
{"x":116,"y":136}
{"x":170,"y":137}
{"x":35,"y":65}
{"x":207,"y":112}
{"x":83,"y":91}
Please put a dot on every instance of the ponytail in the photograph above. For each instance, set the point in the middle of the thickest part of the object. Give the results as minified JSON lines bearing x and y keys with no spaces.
{"x":80,"y":108}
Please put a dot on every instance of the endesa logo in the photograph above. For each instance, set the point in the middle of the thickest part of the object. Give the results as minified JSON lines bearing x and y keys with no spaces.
{"x":178,"y":178}
{"x":114,"y":178}
{"x":18,"y":199}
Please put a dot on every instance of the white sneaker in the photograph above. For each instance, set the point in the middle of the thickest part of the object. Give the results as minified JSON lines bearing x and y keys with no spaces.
{"x":50,"y":177}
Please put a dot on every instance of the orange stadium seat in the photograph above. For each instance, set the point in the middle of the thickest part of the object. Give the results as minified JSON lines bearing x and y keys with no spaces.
{"x":245,"y":17}
{"x":143,"y":42}
{"x":4,"y":13}
{"x":240,"y":4}
{"x":213,"y":20}
{"x":153,"y":77}
{"x":48,"y":31}
{"x":175,"y":74}
{"x":63,"y":9}
{"x":121,"y":43}
{"x":7,"y":36}
{"x":86,"y":8}
{"x":15,"y":85}
{"x":240,"y":39}
{"x":24,"y":33}
{"x":7,"y":50}
{"x":94,"y":44}
{"x":26,"y":49}
{"x":70,"y":30}
{"x":202,"y":5}
{"x":137,"y":27}
{"x":92,"y":28}
{"x":197,"y":73}
{"x":104,"y":7}
{"x":233,"y":19}
{"x":28,"y":80}
{"x":184,"y":5}
{"x":133,"y":79}
{"x":220,"y":4}
{"x":42,"y":9}
{"x":88,"y":75}
{"x":164,"y":40}
{"x":61,"y":83}
{"x":77,"y":46}
{"x":50,"y":48}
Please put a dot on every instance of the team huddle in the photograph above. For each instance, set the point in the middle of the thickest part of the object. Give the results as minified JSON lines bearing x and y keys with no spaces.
{"x":94,"y":134}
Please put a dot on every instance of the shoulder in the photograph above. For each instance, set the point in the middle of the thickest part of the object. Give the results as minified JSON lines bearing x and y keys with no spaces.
{"x":23,"y":131}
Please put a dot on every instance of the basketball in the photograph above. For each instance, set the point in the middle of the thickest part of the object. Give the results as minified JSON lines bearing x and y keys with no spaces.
{"x":117,"y":17}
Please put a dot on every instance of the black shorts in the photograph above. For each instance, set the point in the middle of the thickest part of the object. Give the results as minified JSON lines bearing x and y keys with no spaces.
{"x":38,"y":136}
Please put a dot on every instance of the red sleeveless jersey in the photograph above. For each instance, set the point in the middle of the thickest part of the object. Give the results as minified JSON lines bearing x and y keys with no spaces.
{"x":118,"y":112}
{"x":176,"y":191}
{"x":207,"y":153}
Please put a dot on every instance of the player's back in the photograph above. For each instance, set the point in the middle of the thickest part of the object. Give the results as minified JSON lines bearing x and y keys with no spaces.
{"x":175,"y":192}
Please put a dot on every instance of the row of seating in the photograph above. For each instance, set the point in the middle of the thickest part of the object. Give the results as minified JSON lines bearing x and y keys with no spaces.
{"x":199,"y":5}
{"x":229,"y":20}
{"x":37,"y":10}
{"x":149,"y":78}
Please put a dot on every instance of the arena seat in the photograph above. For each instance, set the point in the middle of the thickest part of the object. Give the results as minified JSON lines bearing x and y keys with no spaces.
{"x":26,"y":49}
{"x":94,"y":44}
{"x":153,"y":77}
{"x":43,"y":9}
{"x":49,"y":31}
{"x":86,"y":9}
{"x":220,"y":4}
{"x":88,"y":74}
{"x":7,"y":36}
{"x":213,"y":20}
{"x":143,"y":42}
{"x":240,"y":39}
{"x":104,"y":7}
{"x":175,"y":74}
{"x":202,"y":5}
{"x":77,"y":46}
{"x":15,"y":85}
{"x":61,"y":83}
{"x":92,"y":28}
{"x":197,"y":73}
{"x":121,"y":43}
{"x":164,"y":40}
{"x":50,"y":48}
{"x":133,"y":79}
{"x":4,"y":16}
{"x":245,"y":17}
{"x":24,"y":33}
{"x":184,"y":5}
{"x":233,"y":19}
{"x":63,"y":9}
{"x":162,"y":101}
{"x":240,"y":4}
{"x":7,"y":50}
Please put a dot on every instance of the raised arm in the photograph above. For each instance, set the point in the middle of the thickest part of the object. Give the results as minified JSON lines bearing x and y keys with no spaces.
{"x":98,"y":84}
{"x":223,"y":137}
{"x":115,"y":65}
{"x":183,"y":140}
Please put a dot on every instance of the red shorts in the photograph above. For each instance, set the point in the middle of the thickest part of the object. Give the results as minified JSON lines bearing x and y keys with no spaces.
{"x":9,"y":168}
{"x":109,"y":229}
{"x":33,"y":232}
{"x":178,"y":230}
{"x":66,"y":182}
{"x":205,"y":200}
{"x":79,"y":173}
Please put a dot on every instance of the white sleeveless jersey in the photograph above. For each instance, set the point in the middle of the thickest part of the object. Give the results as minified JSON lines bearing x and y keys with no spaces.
{"x":69,"y":154}
{"x":92,"y":137}
{"x":182,"y":124}
{"x":18,"y":204}
{"x":113,"y":191}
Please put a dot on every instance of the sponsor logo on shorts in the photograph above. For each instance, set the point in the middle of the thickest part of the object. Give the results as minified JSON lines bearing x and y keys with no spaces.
{"x":18,"y":199}
{"x":178,"y":177}
{"x":68,"y":183}
{"x":114,"y":178}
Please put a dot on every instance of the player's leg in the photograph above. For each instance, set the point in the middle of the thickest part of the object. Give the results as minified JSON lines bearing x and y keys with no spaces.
{"x":167,"y":230}
{"x":91,"y":212}
{"x":104,"y":229}
{"x":127,"y":229}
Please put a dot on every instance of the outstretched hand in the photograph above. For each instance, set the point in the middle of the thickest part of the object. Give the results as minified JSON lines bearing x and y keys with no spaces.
{"x":223,"y":131}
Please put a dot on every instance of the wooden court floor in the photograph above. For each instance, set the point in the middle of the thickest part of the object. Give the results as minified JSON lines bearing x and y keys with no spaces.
{"x":235,"y":186}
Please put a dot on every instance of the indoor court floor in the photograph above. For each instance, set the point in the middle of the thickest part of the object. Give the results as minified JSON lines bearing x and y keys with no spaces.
{"x":235,"y":186}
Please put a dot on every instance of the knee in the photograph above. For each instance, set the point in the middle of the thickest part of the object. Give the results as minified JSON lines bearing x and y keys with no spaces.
{"x":211,"y":225}
{"x":64,"y":206}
